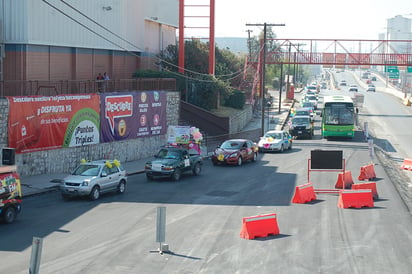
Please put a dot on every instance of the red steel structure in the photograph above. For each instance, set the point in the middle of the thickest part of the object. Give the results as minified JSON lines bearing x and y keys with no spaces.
{"x":211,"y":27}
{"x":342,"y":52}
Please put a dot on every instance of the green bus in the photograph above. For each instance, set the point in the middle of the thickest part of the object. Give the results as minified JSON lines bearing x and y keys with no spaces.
{"x":338,"y":117}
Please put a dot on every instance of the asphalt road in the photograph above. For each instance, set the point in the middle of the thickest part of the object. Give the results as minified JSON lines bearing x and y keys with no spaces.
{"x":116,"y":234}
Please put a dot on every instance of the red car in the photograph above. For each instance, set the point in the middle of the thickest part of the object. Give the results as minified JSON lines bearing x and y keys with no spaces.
{"x":235,"y":152}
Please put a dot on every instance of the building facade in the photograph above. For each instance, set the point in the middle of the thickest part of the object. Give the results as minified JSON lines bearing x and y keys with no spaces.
{"x":52,"y":40}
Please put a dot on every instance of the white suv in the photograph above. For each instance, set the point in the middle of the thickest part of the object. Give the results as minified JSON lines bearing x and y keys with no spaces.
{"x":93,"y":178}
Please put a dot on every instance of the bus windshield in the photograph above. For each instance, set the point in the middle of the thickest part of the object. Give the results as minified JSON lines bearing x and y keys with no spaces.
{"x":338,"y":115}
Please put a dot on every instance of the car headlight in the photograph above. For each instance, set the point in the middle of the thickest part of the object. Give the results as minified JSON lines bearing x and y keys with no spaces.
{"x":233,"y":155}
{"x":148,"y":166}
{"x":85,"y":183}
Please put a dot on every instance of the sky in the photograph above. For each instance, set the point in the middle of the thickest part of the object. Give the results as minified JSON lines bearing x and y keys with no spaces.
{"x":303,"y":19}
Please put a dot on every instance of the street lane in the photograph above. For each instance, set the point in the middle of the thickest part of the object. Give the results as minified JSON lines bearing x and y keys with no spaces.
{"x":116,"y":234}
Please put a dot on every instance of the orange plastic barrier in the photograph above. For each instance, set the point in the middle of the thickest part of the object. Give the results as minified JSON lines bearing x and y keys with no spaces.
{"x":304,"y":193}
{"x":355,"y":198}
{"x":407,"y":164}
{"x":369,"y":185}
{"x":344,"y":180}
{"x":259,"y":226}
{"x":367,"y":172}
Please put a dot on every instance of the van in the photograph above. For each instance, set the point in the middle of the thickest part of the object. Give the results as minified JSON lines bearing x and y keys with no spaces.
{"x":10,"y":194}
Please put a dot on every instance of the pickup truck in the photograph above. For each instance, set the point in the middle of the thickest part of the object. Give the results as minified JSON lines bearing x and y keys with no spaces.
{"x":171,"y":162}
{"x":10,"y":194}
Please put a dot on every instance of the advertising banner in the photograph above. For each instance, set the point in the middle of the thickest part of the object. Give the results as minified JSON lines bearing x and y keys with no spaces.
{"x":9,"y":186}
{"x":126,"y":115}
{"x":50,"y":122}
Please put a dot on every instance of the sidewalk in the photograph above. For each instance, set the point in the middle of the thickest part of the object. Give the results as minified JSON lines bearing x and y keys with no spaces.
{"x":33,"y":185}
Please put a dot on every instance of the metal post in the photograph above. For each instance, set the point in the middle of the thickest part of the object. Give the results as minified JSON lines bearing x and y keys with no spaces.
{"x":262,"y":82}
{"x":35,"y":255}
{"x":280,"y":88}
{"x":161,"y":227}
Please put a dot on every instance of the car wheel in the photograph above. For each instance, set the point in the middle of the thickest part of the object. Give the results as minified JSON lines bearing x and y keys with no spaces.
{"x":10,"y":215}
{"x":239,"y":161}
{"x":282,"y":148}
{"x":197,"y":169}
{"x":95,"y":193}
{"x":121,"y":187}
{"x":176,"y":175}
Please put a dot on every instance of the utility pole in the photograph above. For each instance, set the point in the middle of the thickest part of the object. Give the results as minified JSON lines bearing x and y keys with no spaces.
{"x":263,"y":65}
{"x":248,"y":43}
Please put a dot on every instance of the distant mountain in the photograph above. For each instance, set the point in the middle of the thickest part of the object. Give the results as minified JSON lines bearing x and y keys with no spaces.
{"x":234,"y":44}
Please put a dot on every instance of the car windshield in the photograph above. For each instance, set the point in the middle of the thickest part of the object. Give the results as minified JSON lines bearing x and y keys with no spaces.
{"x":274,"y":135}
{"x":300,"y":120}
{"x":231,"y":145}
{"x":302,"y":112}
{"x":167,"y":154}
{"x":311,"y":97}
{"x":87,"y":170}
{"x":307,"y":104}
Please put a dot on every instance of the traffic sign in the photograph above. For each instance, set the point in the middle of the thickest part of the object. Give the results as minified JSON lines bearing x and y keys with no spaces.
{"x":391,"y":69}
{"x":393,"y":74}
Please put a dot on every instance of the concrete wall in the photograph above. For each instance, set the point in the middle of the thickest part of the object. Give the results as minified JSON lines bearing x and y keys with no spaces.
{"x":65,"y":160}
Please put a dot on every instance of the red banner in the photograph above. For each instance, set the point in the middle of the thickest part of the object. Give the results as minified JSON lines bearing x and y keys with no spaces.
{"x":340,"y":60}
{"x":50,"y":122}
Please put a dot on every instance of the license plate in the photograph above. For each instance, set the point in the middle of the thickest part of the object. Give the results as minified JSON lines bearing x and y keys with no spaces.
{"x":70,"y":189}
{"x":299,"y":131}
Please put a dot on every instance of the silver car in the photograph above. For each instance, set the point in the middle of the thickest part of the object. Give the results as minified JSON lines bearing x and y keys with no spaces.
{"x":93,"y":178}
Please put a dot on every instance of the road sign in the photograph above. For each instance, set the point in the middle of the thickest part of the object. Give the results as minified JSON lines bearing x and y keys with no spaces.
{"x":393,"y":74}
{"x":391,"y":69}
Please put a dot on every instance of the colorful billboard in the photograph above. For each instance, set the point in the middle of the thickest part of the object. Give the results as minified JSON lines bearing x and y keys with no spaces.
{"x":50,"y":122}
{"x":126,"y":115}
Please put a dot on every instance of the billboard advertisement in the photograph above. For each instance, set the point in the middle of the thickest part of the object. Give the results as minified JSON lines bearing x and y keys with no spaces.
{"x":126,"y":115}
{"x":39,"y":123}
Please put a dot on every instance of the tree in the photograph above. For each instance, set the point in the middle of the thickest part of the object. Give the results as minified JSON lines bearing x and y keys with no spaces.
{"x":202,"y":89}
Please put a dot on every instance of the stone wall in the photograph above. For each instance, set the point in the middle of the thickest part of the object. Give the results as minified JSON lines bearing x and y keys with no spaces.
{"x":65,"y":160}
{"x":238,"y":121}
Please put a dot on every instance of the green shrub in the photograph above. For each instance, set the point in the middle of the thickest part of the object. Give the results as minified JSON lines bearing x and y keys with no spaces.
{"x":236,"y":100}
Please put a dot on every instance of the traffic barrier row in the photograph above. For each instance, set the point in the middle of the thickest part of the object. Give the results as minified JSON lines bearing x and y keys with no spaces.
{"x":355,"y":198}
{"x":367,"y":172}
{"x":369,"y":185}
{"x":259,"y":226}
{"x":303,"y":194}
{"x":407,"y":164}
{"x":344,"y":180}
